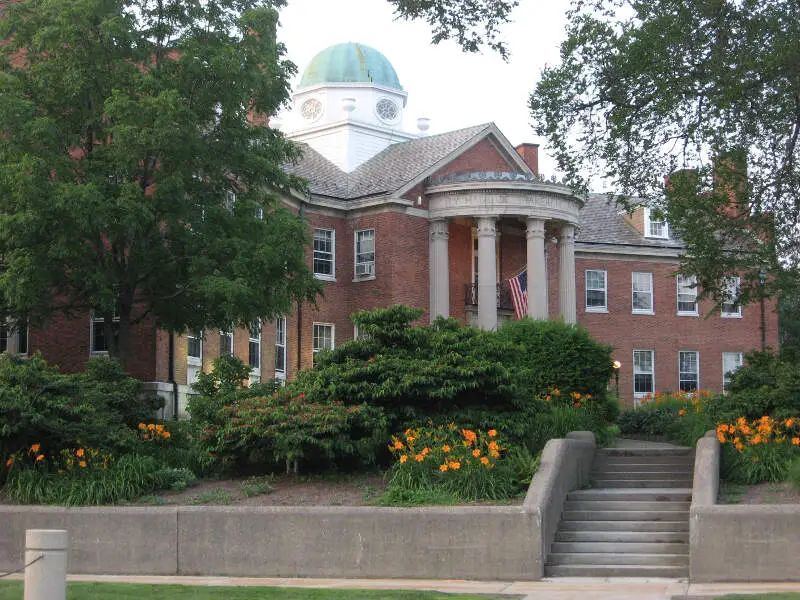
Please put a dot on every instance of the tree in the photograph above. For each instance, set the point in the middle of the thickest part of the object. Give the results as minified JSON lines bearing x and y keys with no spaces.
{"x":645,"y":88}
{"x":136,"y":178}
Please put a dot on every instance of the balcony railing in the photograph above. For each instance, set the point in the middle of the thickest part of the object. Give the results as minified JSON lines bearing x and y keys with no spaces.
{"x":504,"y":301}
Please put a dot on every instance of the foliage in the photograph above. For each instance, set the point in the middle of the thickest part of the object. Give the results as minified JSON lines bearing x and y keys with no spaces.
{"x":794,"y":473}
{"x":766,"y":385}
{"x":136,"y":165}
{"x":645,"y":88}
{"x":461,"y":20}
{"x":657,"y":414}
{"x":39,"y":405}
{"x":759,"y":450}
{"x":462,"y":463}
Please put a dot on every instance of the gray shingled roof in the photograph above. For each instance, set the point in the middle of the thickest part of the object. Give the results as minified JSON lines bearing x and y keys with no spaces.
{"x":384,"y":173}
{"x":604,"y":223}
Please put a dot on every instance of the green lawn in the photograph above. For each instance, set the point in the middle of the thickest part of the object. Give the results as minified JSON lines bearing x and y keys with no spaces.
{"x":13,"y":590}
{"x":786,"y":596}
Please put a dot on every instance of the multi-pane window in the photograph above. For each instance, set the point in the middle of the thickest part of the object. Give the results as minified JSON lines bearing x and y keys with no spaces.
{"x":687,"y":294}
{"x":655,"y":225}
{"x":322,"y":337}
{"x":730,"y":362}
{"x":194,"y":347}
{"x":280,"y":348}
{"x":325,"y":253}
{"x":596,"y":291}
{"x":97,"y":335}
{"x":731,"y":307}
{"x":642,"y":292}
{"x":688,"y":371}
{"x":14,"y":338}
{"x":365,"y":253}
{"x":226,"y":341}
{"x":254,"y":353}
{"x":643,"y":373}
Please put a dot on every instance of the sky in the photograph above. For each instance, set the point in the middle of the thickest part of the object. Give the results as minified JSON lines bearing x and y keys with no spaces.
{"x":452,"y":88}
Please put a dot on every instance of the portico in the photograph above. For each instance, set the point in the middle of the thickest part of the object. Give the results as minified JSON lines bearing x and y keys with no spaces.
{"x":488,"y":198}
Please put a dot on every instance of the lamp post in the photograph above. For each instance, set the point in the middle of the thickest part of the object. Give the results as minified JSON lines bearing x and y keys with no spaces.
{"x":617,"y":365}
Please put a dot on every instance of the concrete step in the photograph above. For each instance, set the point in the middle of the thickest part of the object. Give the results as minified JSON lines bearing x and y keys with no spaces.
{"x":642,"y":483}
{"x":677,"y":451}
{"x":625,"y":515}
{"x":680,"y":537}
{"x":656,"y":474}
{"x":640,"y":467}
{"x":634,"y":495}
{"x":614,"y":571}
{"x":625,"y":506}
{"x":620,"y":525}
{"x":620,"y":547}
{"x":618,"y":558}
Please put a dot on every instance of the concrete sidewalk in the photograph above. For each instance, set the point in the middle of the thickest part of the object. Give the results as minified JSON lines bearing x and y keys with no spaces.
{"x":545,"y":589}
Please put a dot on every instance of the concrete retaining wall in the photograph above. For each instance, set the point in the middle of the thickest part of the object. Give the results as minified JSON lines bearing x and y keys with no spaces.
{"x":467,"y":542}
{"x":738,"y":542}
{"x":565,"y":465}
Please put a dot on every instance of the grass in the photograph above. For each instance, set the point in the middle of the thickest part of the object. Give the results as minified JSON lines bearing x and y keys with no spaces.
{"x":13,"y":590}
{"x":257,"y":486}
{"x":731,"y":493}
{"x":215,"y":496}
{"x":781,"y":596}
{"x":396,"y":496}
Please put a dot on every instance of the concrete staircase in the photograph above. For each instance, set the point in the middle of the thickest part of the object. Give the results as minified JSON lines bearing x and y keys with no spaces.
{"x":633,"y":521}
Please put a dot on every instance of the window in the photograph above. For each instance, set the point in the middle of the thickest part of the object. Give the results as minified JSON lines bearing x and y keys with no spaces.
{"x":643,"y":373}
{"x":254,"y":353}
{"x":687,"y":294}
{"x":230,"y":201}
{"x":194,"y":348}
{"x":731,"y":308}
{"x":280,"y":348}
{"x":596,"y":291}
{"x":322,"y":337}
{"x":325,"y":253}
{"x":642,"y":286}
{"x":688,"y":371}
{"x":14,"y":337}
{"x":655,"y":226}
{"x":365,"y":253}
{"x":226,"y":341}
{"x":97,"y":334}
{"x":730,"y":362}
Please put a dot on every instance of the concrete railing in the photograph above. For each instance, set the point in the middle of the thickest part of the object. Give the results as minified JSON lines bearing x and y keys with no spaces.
{"x":462,"y":542}
{"x":564,"y":466}
{"x":738,"y":542}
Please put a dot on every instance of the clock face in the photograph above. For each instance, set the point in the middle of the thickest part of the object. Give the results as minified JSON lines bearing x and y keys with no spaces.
{"x":386,"y":109}
{"x":311,"y":109}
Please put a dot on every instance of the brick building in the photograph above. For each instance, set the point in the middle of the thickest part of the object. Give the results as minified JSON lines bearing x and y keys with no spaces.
{"x":400,"y":217}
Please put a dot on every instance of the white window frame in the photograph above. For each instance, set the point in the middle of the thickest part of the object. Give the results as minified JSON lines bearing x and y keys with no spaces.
{"x":604,"y":307}
{"x":695,"y":373}
{"x":227,"y":333}
{"x":732,"y":285}
{"x":634,"y":291}
{"x":637,"y":396}
{"x":280,"y":342}
{"x":255,"y":370}
{"x":315,"y":337}
{"x":11,"y":333}
{"x":98,"y":320}
{"x":649,"y":221}
{"x":364,"y":269}
{"x":739,"y":360}
{"x":686,"y":285}
{"x":194,"y":360}
{"x":324,"y":276}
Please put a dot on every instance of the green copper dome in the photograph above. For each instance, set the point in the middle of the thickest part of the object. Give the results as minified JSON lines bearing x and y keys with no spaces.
{"x":350,"y":63}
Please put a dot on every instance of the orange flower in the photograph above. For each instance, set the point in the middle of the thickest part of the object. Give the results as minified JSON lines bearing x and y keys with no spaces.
{"x":789,"y":422}
{"x":721,"y":437}
{"x":556,"y":392}
{"x":419,"y":457}
{"x":576,"y":395}
{"x":577,"y":404}
{"x":82,"y":464}
{"x":151,"y":427}
{"x":397,"y":445}
{"x":142,"y":426}
{"x":40,"y":457}
{"x":681,"y":412}
{"x":410,"y":438}
{"x":9,"y":462}
{"x":443,"y":468}
{"x":426,"y":451}
{"x":403,"y":458}
{"x":588,"y":396}
{"x":166,"y":435}
{"x":455,"y":465}
{"x":469,"y":435}
{"x":547,"y":398}
{"x":445,"y":448}
{"x":492,"y":433}
{"x":494,"y":453}
{"x":476,"y":453}
{"x":493,"y":446}
{"x":796,"y":441}
{"x":35,"y":448}
{"x":79,"y":452}
{"x":484,"y":460}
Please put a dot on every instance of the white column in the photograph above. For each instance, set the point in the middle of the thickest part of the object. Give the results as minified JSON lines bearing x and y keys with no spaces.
{"x":439,"y":269}
{"x":537,"y":270}
{"x":487,"y":273}
{"x":46,"y":555}
{"x":566,"y":274}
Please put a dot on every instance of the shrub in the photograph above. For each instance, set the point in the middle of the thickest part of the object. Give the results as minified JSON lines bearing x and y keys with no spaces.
{"x":794,"y":473}
{"x":683,"y":418}
{"x":759,"y":450}
{"x":766,"y":385}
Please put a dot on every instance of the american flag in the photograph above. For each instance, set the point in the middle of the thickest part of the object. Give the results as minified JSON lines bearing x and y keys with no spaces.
{"x":519,"y":293}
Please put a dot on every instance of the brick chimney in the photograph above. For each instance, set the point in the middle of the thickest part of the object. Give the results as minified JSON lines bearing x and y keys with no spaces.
{"x":530,"y":154}
{"x":730,"y":180}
